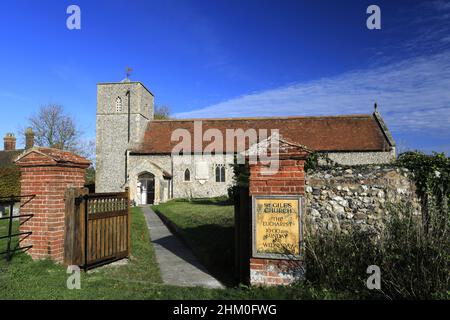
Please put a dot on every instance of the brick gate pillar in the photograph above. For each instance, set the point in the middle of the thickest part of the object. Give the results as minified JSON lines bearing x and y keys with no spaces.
{"x":47,"y":173}
{"x":285,"y":189}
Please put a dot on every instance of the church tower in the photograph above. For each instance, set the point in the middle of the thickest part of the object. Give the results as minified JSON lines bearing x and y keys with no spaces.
{"x":123,"y":112}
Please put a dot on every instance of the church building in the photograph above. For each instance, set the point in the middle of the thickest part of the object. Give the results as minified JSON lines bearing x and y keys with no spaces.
{"x":136,"y":151}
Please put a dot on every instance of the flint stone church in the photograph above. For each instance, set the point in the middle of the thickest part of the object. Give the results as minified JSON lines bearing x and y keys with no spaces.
{"x":135,"y":151}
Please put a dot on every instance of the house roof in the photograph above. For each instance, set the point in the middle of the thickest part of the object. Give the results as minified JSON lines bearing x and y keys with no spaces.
{"x":322,"y":134}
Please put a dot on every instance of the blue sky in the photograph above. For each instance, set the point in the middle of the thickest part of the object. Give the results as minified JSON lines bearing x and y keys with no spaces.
{"x":235,"y":58}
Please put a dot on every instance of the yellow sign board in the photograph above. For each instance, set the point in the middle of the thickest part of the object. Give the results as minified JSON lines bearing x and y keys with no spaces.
{"x":276,"y":226}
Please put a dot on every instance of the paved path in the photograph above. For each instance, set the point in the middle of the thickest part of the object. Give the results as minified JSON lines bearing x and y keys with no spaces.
{"x":177,"y":263}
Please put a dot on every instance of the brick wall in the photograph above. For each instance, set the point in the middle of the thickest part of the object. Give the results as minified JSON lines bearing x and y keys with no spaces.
{"x":288,"y":180}
{"x":47,"y":173}
{"x":9,"y":142}
{"x":275,"y":272}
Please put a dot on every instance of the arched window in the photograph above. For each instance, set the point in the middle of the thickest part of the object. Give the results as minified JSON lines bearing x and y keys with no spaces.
{"x":118,"y":104}
{"x":217,"y":174}
{"x":220,"y":173}
{"x":187,"y":175}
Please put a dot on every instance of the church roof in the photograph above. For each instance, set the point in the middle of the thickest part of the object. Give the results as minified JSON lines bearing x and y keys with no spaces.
{"x":321,"y":133}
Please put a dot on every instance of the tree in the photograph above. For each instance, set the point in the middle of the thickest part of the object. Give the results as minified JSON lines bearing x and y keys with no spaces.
{"x":85,"y":148}
{"x":54,"y":128}
{"x":162,"y":112}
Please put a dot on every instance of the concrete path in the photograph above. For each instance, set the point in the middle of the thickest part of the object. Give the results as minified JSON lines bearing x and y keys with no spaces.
{"x":177,"y":263}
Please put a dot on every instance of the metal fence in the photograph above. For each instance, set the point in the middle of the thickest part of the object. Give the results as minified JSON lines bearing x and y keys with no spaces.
{"x":9,"y":222}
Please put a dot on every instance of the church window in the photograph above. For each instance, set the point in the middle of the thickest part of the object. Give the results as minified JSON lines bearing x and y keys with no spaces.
{"x":220,"y":173}
{"x":217,"y":174}
{"x":187,"y":175}
{"x":118,"y":104}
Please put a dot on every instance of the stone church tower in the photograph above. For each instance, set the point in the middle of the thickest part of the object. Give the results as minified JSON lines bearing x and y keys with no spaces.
{"x":123,"y":112}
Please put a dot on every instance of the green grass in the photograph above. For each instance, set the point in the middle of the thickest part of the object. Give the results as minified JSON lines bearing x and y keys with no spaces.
{"x":23,"y":278}
{"x":207,"y":226}
{"x":4,"y":226}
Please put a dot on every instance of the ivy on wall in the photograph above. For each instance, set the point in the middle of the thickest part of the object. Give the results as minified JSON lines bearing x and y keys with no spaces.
{"x":431,"y":172}
{"x":312,"y":162}
{"x":241,"y":174}
{"x":432,"y":178}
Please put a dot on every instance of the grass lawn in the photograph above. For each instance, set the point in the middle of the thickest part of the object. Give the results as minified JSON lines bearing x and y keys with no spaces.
{"x":4,"y":225}
{"x":23,"y":278}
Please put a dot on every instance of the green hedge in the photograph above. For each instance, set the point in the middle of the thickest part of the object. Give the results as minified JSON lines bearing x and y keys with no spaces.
{"x":9,"y":181}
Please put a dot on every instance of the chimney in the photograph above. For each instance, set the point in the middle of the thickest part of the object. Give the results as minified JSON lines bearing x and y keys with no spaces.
{"x":9,"y":142}
{"x":29,"y":138}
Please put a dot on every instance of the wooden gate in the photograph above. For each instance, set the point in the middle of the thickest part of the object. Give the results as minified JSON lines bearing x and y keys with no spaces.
{"x":97,"y":228}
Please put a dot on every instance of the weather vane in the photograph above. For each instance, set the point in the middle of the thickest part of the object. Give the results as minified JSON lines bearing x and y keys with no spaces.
{"x":128,"y":72}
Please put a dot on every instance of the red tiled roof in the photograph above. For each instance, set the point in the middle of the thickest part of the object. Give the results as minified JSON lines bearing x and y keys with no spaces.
{"x":329,"y":133}
{"x":56,"y":155}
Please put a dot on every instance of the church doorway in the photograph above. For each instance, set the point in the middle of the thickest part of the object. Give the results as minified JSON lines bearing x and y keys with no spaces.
{"x":147,"y":188}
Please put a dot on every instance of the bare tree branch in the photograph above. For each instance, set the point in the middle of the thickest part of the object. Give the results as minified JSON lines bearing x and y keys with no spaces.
{"x":54,"y":128}
{"x":162,"y":113}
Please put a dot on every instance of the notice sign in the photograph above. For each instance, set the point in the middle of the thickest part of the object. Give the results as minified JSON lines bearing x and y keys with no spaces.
{"x":276,"y":226}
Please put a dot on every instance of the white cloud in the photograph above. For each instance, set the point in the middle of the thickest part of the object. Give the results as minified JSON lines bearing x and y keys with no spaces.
{"x":441,"y":5}
{"x":413,"y":94}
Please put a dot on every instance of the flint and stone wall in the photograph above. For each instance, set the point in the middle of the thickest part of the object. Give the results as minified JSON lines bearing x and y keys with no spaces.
{"x":156,"y":165}
{"x":176,"y":166}
{"x":358,"y":158}
{"x":112,"y":130}
{"x":201,"y":188}
{"x":343,"y":198}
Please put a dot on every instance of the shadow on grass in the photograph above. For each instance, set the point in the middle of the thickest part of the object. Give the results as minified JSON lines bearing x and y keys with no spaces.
{"x":213,"y":245}
{"x":174,"y":245}
{"x":222,"y":201}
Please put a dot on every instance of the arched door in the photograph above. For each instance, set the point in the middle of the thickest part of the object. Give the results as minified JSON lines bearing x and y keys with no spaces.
{"x":147,"y":183}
